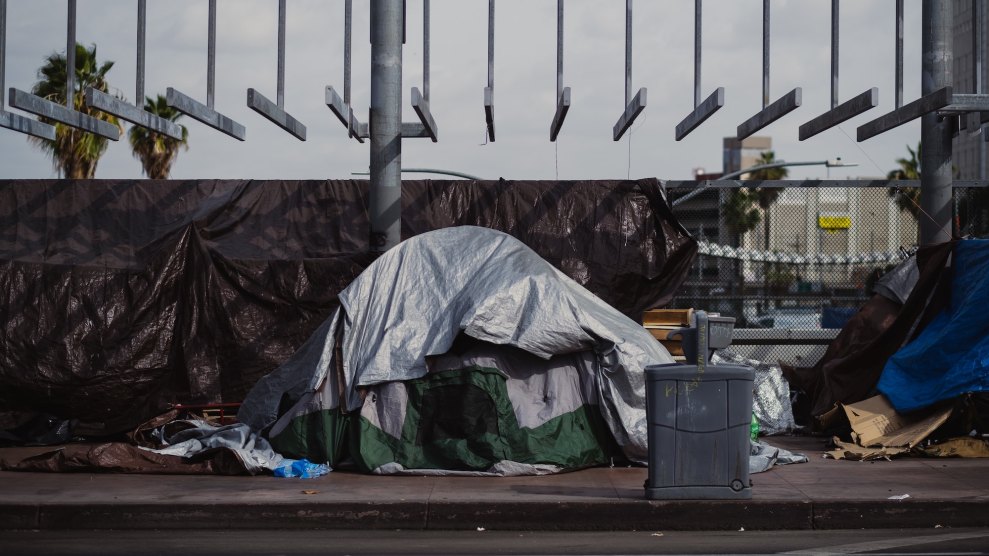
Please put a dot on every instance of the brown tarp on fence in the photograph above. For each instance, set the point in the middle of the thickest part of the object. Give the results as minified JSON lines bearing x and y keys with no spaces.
{"x":850,"y":368}
{"x":118,"y":297}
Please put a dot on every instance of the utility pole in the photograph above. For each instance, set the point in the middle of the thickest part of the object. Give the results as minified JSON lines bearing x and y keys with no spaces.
{"x":385,"y":120}
{"x":935,"y":133}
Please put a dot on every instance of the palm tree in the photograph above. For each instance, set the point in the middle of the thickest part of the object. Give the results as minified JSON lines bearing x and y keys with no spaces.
{"x":766,"y":196}
{"x":740,"y":210}
{"x":907,"y":198}
{"x":74,"y":152}
{"x":157,"y":151}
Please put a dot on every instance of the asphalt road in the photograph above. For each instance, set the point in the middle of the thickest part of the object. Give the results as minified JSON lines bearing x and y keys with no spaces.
{"x":252,"y":542}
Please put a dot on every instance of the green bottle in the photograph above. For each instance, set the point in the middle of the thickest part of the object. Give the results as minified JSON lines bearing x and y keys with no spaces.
{"x":754,"y":428}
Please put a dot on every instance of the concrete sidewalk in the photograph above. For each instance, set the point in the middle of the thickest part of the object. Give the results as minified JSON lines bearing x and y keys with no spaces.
{"x":821,"y":494}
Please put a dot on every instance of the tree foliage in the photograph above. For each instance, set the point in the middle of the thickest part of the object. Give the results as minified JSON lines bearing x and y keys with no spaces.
{"x":157,"y":151}
{"x":907,"y":198}
{"x":74,"y":152}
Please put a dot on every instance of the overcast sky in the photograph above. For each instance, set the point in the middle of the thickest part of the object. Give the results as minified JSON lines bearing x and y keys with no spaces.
{"x":525,"y":83}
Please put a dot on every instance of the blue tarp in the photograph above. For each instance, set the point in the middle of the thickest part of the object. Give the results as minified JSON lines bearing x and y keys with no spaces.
{"x":951,"y":355}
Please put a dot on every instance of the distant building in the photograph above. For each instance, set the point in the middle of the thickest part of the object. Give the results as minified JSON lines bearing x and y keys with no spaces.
{"x":970,"y":153}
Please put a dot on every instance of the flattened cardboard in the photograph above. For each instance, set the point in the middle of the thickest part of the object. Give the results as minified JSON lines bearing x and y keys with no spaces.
{"x":875,"y":423}
{"x":879,"y":432}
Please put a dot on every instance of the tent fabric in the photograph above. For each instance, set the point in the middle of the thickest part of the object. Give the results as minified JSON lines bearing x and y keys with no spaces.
{"x":415,"y":300}
{"x":950,"y":356}
{"x":852,"y":364}
{"x":122,"y":297}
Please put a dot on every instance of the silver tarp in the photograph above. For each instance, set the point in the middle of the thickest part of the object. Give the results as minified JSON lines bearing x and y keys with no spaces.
{"x":414,"y":300}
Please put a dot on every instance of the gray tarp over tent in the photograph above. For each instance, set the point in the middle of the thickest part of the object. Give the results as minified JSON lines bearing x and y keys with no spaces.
{"x":462,"y":349}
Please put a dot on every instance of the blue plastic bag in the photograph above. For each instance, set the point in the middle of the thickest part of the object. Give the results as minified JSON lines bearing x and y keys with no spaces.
{"x":302,"y":468}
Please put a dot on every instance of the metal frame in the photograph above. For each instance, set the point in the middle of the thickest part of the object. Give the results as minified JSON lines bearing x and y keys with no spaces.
{"x":838,"y":113}
{"x":205,"y":112}
{"x":714,"y":101}
{"x":633,"y":105}
{"x":10,"y":120}
{"x":341,"y":107}
{"x":489,"y":90}
{"x":420,"y":100}
{"x":133,"y":113}
{"x":562,"y":93}
{"x":770,"y":112}
{"x":941,"y":100}
{"x":65,"y":114}
{"x":275,"y":111}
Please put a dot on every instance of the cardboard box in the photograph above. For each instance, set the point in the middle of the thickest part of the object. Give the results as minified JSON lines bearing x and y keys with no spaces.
{"x":878,"y":431}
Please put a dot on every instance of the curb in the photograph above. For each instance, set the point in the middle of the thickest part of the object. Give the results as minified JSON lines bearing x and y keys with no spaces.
{"x":628,"y":515}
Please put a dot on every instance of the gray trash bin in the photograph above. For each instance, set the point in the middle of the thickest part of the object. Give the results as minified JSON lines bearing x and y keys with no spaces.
{"x":698,"y":417}
{"x":698,"y":431}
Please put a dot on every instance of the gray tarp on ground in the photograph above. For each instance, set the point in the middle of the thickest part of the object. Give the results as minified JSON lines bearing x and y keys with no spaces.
{"x":417,"y":297}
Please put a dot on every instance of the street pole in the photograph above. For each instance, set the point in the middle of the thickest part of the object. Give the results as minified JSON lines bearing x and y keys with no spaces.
{"x":935,"y":134}
{"x":387,"y":24}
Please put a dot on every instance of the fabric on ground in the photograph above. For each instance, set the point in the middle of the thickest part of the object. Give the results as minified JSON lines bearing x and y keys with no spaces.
{"x":252,"y":450}
{"x":121,"y":457}
{"x":763,"y":457}
{"x":950,"y":356}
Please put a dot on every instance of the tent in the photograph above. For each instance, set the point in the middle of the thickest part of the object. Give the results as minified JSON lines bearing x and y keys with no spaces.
{"x":950,"y":356}
{"x":462,"y":351}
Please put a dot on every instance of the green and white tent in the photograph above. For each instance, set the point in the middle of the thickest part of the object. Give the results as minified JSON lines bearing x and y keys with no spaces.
{"x":462,"y":351}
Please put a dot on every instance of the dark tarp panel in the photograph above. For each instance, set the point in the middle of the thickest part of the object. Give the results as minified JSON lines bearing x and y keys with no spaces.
{"x":617,"y":238}
{"x":118,"y":297}
{"x":851,"y":366}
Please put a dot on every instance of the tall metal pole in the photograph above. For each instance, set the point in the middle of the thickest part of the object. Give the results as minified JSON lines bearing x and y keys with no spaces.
{"x":834,"y":54}
{"x":3,"y":51}
{"x":628,"y":51}
{"x":697,"y":52}
{"x":765,"y":54}
{"x":559,"y":49}
{"x":385,"y":117}
{"x":211,"y":55}
{"x":935,"y":135}
{"x":899,"y":55}
{"x":142,"y":18}
{"x":70,"y":57}
{"x":280,"y":90}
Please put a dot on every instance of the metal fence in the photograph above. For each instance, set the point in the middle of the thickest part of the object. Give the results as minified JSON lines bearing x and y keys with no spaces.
{"x":792,"y":284}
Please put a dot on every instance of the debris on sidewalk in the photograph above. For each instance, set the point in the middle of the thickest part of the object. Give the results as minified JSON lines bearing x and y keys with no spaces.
{"x":879,"y":432}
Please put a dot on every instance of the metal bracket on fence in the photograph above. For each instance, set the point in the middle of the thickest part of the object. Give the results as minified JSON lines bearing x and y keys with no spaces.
{"x":838,"y":113}
{"x":134,"y":113}
{"x":198,"y":111}
{"x":65,"y":114}
{"x":275,"y":111}
{"x":341,"y":107}
{"x":562,"y":93}
{"x":10,"y":120}
{"x":633,"y":106}
{"x":420,"y":100}
{"x":489,"y":90}
{"x":906,"y":113}
{"x":770,"y":112}
{"x":714,"y":101}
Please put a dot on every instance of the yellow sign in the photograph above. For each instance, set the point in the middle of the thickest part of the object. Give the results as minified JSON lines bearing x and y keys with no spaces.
{"x":833,"y":222}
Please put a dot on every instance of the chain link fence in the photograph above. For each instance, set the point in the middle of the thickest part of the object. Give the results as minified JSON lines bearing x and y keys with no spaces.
{"x":800,"y":276}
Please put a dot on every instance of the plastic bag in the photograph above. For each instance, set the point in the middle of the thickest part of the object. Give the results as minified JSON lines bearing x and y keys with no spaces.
{"x":302,"y":468}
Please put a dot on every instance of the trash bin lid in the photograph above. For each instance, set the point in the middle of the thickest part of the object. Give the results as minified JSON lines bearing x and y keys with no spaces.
{"x":679,"y":371}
